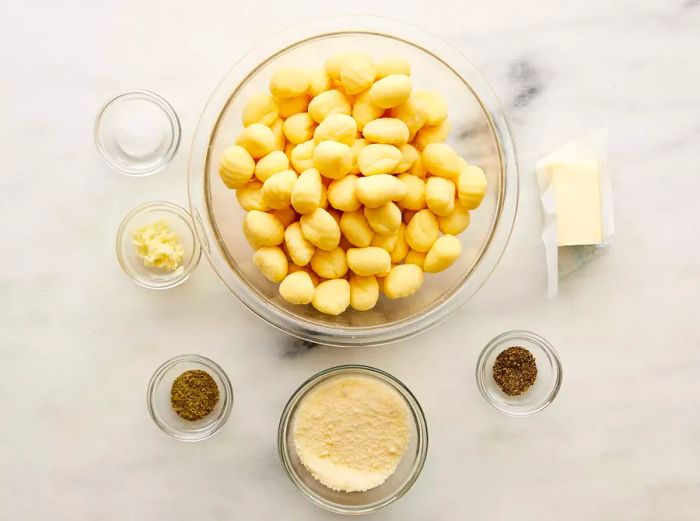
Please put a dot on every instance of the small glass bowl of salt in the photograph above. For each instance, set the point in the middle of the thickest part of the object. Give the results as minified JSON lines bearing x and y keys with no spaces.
{"x":137,"y":133}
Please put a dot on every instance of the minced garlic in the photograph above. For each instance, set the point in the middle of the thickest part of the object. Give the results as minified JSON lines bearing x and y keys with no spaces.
{"x":351,"y":432}
{"x":158,"y":246}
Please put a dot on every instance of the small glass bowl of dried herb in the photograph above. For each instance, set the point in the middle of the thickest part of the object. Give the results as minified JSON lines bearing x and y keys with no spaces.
{"x":190,"y":397}
{"x":519,"y":373}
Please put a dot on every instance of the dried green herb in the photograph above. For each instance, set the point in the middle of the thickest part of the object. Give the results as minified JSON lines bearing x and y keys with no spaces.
{"x":194,"y":395}
{"x":515,"y":370}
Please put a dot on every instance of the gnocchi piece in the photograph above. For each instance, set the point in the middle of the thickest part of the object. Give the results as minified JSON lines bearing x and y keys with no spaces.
{"x":442,"y":254}
{"x":289,"y":82}
{"x":295,"y":105}
{"x":440,"y":196}
{"x":272,"y":262}
{"x":332,"y":296}
{"x":400,"y":249}
{"x":390,"y":91}
{"x":330,"y":264}
{"x":431,"y":134}
{"x":385,"y":219}
{"x":236,"y":167}
{"x":415,"y":193}
{"x":250,"y":197}
{"x":320,"y":229}
{"x":262,"y":229}
{"x":409,"y":156}
{"x":299,"y":128}
{"x":257,"y":139}
{"x":368,"y":261}
{"x":403,"y":281}
{"x":378,"y":158}
{"x":364,"y":292}
{"x":377,"y":190}
{"x":356,"y":73}
{"x":261,"y":108}
{"x":319,"y":82}
{"x":328,"y":103}
{"x":297,"y":288}
{"x":415,"y":257}
{"x":267,"y":166}
{"x":434,"y":106}
{"x":457,"y":221}
{"x":389,"y":131}
{"x":337,"y":127}
{"x":277,"y":189}
{"x":342,"y":194}
{"x":302,"y":155}
{"x":441,"y":160}
{"x":471,"y":186}
{"x":391,"y":65}
{"x":299,"y":249}
{"x":364,"y":111}
{"x":422,"y":231}
{"x":356,"y":229}
{"x":332,"y":159}
{"x":307,"y":191}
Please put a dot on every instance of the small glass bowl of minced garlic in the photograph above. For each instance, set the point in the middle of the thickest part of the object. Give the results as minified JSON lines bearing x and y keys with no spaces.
{"x":353,"y":439}
{"x":189,"y":397}
{"x":519,"y":373}
{"x":157,"y":246}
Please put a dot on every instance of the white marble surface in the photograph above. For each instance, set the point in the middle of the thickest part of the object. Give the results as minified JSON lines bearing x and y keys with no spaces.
{"x":79,"y":340}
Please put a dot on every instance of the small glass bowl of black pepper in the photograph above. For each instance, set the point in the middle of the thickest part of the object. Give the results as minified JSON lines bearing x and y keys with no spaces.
{"x":510,"y":383}
{"x":190,"y":397}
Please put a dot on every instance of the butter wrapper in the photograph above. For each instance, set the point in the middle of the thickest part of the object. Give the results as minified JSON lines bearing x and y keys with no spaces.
{"x":563,"y":260}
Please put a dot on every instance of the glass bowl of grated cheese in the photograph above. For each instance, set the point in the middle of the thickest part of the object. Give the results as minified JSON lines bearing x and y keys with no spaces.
{"x":353,"y":439}
{"x":157,"y":246}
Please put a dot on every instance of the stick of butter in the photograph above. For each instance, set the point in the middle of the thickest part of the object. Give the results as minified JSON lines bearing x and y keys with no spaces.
{"x":576,"y":187}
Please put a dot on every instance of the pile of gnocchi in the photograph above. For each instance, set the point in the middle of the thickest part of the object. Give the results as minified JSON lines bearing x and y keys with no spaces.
{"x":348,"y":186}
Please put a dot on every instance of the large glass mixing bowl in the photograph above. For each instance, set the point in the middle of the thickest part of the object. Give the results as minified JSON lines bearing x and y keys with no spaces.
{"x":479,"y":133}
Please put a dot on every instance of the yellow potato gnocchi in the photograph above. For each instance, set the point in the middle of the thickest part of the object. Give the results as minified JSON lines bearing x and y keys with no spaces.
{"x":332,"y":297}
{"x":364,"y":292}
{"x":390,"y":91}
{"x":348,"y":184}
{"x":236,"y":167}
{"x":299,"y":249}
{"x":272,"y":262}
{"x":368,"y":261}
{"x":320,"y":229}
{"x":378,"y":158}
{"x":330,"y":264}
{"x":332,"y":159}
{"x":389,"y":131}
{"x":356,"y":229}
{"x":297,"y":288}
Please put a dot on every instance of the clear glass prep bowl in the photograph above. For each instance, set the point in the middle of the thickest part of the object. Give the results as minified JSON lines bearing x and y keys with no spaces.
{"x":479,"y":133}
{"x":371,"y":500}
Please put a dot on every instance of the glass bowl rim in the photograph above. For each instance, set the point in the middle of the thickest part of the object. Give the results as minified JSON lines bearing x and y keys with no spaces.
{"x":288,"y":321}
{"x":173,"y":119}
{"x":549,"y":350}
{"x":185,"y":217}
{"x":417,"y":414}
{"x":227,"y":393}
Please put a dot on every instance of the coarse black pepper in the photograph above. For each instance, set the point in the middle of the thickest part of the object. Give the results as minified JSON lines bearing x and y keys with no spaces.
{"x":515,"y":370}
{"x":194,"y":395}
